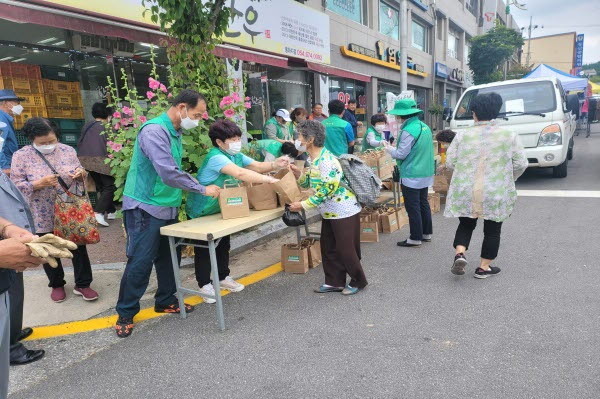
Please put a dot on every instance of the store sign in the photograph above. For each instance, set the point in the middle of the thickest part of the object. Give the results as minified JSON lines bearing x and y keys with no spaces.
{"x":457,"y":75}
{"x":389,"y":59}
{"x":362,"y":50}
{"x":441,"y":70}
{"x":579,"y":51}
{"x":130,"y":10}
{"x":392,"y":55}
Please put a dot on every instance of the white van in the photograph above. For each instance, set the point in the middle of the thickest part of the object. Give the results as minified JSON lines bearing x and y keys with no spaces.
{"x":536,"y":109}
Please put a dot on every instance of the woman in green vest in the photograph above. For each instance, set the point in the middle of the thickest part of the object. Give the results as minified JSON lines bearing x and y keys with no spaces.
{"x":374,"y":138}
{"x":270,"y":150}
{"x":276,"y":127}
{"x":297,"y":116}
{"x":224,"y":163}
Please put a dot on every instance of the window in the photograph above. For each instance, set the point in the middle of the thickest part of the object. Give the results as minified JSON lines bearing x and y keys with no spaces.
{"x":472,"y":6}
{"x":453,"y":43}
{"x":420,"y":36}
{"x":467,"y":50}
{"x":440,"y":28}
{"x":351,"y":9}
{"x":388,"y":20}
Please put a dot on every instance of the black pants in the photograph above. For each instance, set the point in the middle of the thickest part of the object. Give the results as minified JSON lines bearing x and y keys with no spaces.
{"x":16,"y":293}
{"x":419,"y":212}
{"x":105,"y":187}
{"x":491,"y":236}
{"x":202,"y":261}
{"x":81,"y":267}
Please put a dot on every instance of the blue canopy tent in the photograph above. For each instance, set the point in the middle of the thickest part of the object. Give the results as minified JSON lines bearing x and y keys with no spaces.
{"x":569,"y":82}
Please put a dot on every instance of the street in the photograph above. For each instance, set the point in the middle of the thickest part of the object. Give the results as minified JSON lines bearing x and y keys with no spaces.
{"x":416,"y":331}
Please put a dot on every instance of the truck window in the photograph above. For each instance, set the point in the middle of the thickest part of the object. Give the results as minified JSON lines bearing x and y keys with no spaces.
{"x":533,"y":97}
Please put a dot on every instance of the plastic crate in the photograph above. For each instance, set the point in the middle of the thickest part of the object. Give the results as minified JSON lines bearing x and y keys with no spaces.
{"x":22,"y":140}
{"x":33,"y":100}
{"x":59,"y":73}
{"x":70,"y":138}
{"x":28,"y":113}
{"x":65,"y":113}
{"x":69,"y":125}
{"x":22,"y":86}
{"x":18,"y":70}
{"x":57,"y":86}
{"x":63,"y":100}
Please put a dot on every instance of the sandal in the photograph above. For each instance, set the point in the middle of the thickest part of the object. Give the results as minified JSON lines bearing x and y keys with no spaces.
{"x":323,"y":289}
{"x":124,"y":327}
{"x":174,"y":308}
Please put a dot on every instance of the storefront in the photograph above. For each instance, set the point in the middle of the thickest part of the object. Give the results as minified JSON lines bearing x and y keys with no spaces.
{"x":450,"y":83}
{"x":350,"y":89}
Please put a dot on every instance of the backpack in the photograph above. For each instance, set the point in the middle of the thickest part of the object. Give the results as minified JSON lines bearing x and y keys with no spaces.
{"x":361,"y":179}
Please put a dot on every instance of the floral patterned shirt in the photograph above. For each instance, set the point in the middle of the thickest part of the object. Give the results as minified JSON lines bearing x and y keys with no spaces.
{"x":332,"y":198}
{"x":487,"y":159}
{"x":27,"y":167}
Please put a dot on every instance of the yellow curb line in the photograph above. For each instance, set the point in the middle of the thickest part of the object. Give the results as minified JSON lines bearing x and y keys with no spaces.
{"x":76,"y":327}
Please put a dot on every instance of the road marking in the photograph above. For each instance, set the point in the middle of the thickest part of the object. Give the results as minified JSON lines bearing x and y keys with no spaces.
{"x":559,"y":193}
{"x":99,"y":323}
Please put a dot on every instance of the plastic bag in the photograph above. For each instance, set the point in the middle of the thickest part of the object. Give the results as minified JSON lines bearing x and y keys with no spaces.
{"x":292,"y":219}
{"x":396,"y":174}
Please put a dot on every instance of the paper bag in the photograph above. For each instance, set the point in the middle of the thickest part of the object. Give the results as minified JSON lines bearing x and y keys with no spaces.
{"x":434,"y":202}
{"x":385,"y":165}
{"x":261,"y":196}
{"x":402,"y":218}
{"x":440,"y":184}
{"x":369,"y":230}
{"x":234,"y":202}
{"x":388,"y":222}
{"x":286,"y":187}
{"x":314,"y":251}
{"x":294,"y":258}
{"x":300,"y":163}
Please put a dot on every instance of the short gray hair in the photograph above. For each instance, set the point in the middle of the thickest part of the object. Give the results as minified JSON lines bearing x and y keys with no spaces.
{"x":313,"y":129}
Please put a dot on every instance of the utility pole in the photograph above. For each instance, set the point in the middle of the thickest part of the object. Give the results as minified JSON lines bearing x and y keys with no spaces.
{"x":403,"y":45}
{"x":530,"y":28}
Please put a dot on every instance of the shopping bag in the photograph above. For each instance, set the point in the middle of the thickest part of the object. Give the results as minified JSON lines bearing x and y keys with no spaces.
{"x":292,"y":219}
{"x":261,"y":196}
{"x":314,"y":251}
{"x":233,"y":200}
{"x":369,"y":229}
{"x":295,"y":258}
{"x":286,"y":187}
{"x":74,"y":218}
{"x":385,"y":165}
{"x":440,"y":184}
{"x":388,"y":221}
{"x":434,"y":202}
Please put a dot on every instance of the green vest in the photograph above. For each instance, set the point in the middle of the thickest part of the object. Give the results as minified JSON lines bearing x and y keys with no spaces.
{"x":258,"y":147}
{"x":420,"y":161}
{"x":292,"y":130}
{"x":335,"y":135}
{"x":143,"y":183}
{"x":280,"y":133}
{"x":365,"y":143}
{"x":201,"y":205}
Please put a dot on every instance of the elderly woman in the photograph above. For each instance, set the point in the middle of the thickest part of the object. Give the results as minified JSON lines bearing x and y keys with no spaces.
{"x":40,"y":186}
{"x":487,"y":159}
{"x":340,"y":230}
{"x":224,"y":163}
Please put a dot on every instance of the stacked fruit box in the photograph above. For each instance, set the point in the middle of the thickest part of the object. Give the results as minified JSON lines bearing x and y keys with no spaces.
{"x":63,"y":99}
{"x":26,"y":81}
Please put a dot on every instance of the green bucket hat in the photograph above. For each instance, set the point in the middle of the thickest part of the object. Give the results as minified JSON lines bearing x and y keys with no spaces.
{"x":405,"y":107}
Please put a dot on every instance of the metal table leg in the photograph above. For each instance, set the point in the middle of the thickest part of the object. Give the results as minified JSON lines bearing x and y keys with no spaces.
{"x":216,"y":283}
{"x":175,"y":262}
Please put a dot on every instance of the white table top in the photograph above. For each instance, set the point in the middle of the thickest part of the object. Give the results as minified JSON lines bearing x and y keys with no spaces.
{"x":213,"y":227}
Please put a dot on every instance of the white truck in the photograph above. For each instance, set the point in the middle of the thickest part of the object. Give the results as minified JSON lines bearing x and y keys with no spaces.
{"x":536,"y":109}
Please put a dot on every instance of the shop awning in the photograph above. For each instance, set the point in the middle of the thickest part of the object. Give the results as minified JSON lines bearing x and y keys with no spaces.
{"x":342,"y":73}
{"x":239,"y":53}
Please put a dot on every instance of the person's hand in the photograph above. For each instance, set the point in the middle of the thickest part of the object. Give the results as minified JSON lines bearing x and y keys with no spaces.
{"x":270,"y":179}
{"x":18,"y":233}
{"x":282,"y":162}
{"x":295,"y":207}
{"x":17,"y":256}
{"x":212,"y":191}
{"x":46,"y":181}
{"x":359,"y":123}
{"x":296,"y":171}
{"x":80,"y":173}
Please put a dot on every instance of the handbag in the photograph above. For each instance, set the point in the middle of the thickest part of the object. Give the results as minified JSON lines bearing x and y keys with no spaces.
{"x":74,"y":217}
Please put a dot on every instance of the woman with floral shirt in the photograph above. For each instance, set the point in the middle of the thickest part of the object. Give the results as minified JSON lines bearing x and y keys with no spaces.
{"x":40,"y":187}
{"x":487,"y":159}
{"x":340,"y":230}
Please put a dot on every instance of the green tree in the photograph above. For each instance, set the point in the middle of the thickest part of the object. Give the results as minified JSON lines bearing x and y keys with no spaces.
{"x":491,"y":50}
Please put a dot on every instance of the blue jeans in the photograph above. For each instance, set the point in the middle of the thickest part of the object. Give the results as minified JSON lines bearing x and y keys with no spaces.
{"x":419,"y":212}
{"x":145,"y":246}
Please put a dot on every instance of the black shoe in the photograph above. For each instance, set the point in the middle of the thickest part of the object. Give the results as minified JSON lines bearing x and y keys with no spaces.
{"x":26,"y":332}
{"x":29,"y":356}
{"x":480,"y":273}
{"x":124,"y":326}
{"x":459,"y":265}
{"x":172,"y":308}
{"x":405,"y":243}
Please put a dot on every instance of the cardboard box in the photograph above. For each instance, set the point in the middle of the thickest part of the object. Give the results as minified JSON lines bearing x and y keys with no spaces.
{"x":295,"y":258}
{"x":369,"y":230}
{"x":234,"y":202}
{"x":434,"y":202}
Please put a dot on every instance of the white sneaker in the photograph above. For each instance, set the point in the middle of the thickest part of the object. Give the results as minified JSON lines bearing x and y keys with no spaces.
{"x":100,"y":220}
{"x":231,"y":285}
{"x":111,"y":216}
{"x":208,"y":289}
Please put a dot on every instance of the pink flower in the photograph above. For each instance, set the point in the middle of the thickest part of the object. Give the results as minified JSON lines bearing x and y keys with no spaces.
{"x":142,"y":118}
{"x":153,"y":103}
{"x":205,"y":116}
{"x":117,"y":126}
{"x":163,"y":88}
{"x":229,"y":113}
{"x":227,"y":100}
{"x":127,"y":111}
{"x":150,"y":95}
{"x":236,"y":97}
{"x":135,"y":125}
{"x":117,"y":147}
{"x":153,"y":83}
{"x":117,"y":115}
{"x":247,"y":98}
{"x":248,"y":104}
{"x":170,"y":95}
{"x":110,"y":143}
{"x":111,"y":156}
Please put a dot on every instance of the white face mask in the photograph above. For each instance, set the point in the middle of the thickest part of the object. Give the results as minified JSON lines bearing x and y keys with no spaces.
{"x":380,"y":128}
{"x":234,"y":148}
{"x":17,"y":109}
{"x":45,"y":149}
{"x":188,"y":123}
{"x":299,"y":146}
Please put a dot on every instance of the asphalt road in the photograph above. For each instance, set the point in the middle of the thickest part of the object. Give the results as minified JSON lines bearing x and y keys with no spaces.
{"x":417,"y":331}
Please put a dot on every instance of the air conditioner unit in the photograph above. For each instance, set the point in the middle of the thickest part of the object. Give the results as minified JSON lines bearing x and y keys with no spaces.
{"x":88,"y":43}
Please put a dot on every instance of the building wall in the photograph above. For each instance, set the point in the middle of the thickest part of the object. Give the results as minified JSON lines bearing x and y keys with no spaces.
{"x":556,"y":51}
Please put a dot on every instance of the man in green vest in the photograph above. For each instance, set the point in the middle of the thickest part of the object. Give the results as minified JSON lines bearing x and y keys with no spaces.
{"x":339,"y":135}
{"x":276,"y":128}
{"x":415,"y":158}
{"x":152,"y":197}
{"x":270,"y":150}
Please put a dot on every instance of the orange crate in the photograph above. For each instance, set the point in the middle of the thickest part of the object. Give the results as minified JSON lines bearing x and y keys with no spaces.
{"x":33,"y":100}
{"x":66,"y":113}
{"x":63,"y":100}
{"x":57,"y":86}
{"x":18,"y":70}
{"x":28,"y":113}
{"x":22,"y":86}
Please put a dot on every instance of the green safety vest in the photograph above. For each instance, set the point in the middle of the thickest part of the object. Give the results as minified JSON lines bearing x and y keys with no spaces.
{"x":201,"y":205}
{"x":280,"y":133}
{"x":420,"y":161}
{"x":257,"y":147}
{"x":335,"y":135}
{"x":365,"y":143}
{"x":143,"y":183}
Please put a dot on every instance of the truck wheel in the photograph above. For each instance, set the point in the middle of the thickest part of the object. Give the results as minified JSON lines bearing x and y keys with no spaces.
{"x":570,"y":153}
{"x":560,"y":171}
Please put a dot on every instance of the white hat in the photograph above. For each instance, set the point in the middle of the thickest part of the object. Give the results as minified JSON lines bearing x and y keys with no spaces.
{"x":284,"y":113}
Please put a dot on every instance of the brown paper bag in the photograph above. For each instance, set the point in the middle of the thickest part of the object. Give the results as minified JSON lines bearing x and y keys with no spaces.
{"x":388,"y":222}
{"x":286,"y":187}
{"x":434,"y":202}
{"x":440,"y":184}
{"x":369,"y":230}
{"x":295,"y":258}
{"x":300,"y":163}
{"x":402,"y":218}
{"x":261,"y":196}
{"x":234,"y":202}
{"x":314,"y":251}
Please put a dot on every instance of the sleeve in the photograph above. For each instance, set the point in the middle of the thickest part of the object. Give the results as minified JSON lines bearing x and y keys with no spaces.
{"x":304,"y":180}
{"x":349,"y":132}
{"x":9,"y":148}
{"x":519,"y":158}
{"x":246,"y":160}
{"x":331,"y":176}
{"x":404,"y":147}
{"x":271,"y":131}
{"x":18,"y":175}
{"x":452,"y":152}
{"x":371,"y":140}
{"x":218,"y":162}
{"x":155,"y":144}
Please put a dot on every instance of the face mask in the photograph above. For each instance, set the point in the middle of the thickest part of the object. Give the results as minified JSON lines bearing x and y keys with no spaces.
{"x":17,"y":109}
{"x":299,"y":146}
{"x":234,"y":148}
{"x":45,"y":149}
{"x":188,"y":123}
{"x":379,"y":128}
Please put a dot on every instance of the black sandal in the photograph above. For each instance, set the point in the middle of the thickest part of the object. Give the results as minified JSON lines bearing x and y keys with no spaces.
{"x":405,"y":243}
{"x":174,"y":308}
{"x":124,"y":327}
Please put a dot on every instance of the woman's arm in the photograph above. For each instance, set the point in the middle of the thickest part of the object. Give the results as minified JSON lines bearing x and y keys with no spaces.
{"x":371,"y":140}
{"x":246,"y":175}
{"x":331,"y":176}
{"x":452,"y":153}
{"x":265,"y":167}
{"x":519,"y":159}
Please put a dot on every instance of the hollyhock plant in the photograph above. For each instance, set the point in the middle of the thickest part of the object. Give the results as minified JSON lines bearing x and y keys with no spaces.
{"x":150,"y":95}
{"x":229,"y":113}
{"x":153,"y":83}
{"x":142,"y":118}
{"x":236,"y":97}
{"x":127,"y":111}
{"x":163,"y":88}
{"x":116,"y":115}
{"x":248,"y":104}
{"x":205,"y":116}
